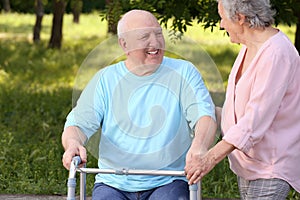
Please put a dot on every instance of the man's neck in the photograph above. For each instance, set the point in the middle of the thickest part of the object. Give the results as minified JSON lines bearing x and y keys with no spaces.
{"x":141,"y":70}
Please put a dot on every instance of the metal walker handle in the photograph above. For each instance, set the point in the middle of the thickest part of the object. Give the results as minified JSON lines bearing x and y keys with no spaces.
{"x":195,"y":189}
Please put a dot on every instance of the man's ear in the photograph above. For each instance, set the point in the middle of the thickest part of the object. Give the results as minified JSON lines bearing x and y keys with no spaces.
{"x":123,"y":44}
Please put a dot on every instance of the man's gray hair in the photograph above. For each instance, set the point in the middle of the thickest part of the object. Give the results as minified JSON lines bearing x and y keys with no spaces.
{"x":258,"y":13}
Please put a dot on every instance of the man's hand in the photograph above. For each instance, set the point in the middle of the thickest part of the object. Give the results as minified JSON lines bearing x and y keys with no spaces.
{"x":72,"y":152}
{"x":72,"y":141}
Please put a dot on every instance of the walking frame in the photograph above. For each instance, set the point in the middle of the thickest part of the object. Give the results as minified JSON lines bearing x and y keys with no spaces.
{"x":195,"y":189}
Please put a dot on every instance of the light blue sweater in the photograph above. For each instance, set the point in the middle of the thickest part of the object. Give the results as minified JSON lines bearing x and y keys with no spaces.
{"x":146,"y":121}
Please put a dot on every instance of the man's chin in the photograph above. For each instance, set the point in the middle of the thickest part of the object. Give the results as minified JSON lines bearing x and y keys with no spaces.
{"x":154,"y":61}
{"x":153,"y":64}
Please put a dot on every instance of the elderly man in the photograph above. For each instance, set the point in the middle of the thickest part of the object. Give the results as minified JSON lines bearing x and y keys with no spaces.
{"x":154,"y":113}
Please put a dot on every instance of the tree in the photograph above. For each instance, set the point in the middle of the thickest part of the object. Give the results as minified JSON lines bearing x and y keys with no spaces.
{"x":297,"y":37}
{"x":288,"y":12}
{"x":183,"y":12}
{"x":39,"y":12}
{"x":113,"y":13}
{"x":6,"y":5}
{"x":76,"y":6}
{"x":59,"y":7}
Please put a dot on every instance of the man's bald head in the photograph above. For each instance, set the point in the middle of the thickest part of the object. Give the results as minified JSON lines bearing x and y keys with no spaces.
{"x":136,"y":19}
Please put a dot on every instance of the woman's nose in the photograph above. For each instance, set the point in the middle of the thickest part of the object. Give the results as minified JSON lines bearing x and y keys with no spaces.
{"x":221,"y":25}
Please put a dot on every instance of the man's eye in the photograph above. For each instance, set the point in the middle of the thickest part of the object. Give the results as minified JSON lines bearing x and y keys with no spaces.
{"x":144,"y":37}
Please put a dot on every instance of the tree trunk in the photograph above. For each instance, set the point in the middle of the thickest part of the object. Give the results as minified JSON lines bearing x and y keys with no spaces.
{"x":113,"y":15}
{"x":76,"y":15}
{"x":57,"y":24}
{"x":39,"y":12}
{"x":76,"y":6}
{"x":6,"y":6}
{"x":297,"y":34}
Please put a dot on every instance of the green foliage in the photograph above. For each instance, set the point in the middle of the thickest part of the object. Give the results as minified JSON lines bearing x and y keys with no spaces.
{"x":28,"y":7}
{"x":182,"y":13}
{"x":286,"y":11}
{"x":76,"y":4}
{"x":114,"y":10}
{"x":20,"y":6}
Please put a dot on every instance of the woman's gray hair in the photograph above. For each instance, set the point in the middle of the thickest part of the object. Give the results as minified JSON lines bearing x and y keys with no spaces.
{"x":258,"y":13}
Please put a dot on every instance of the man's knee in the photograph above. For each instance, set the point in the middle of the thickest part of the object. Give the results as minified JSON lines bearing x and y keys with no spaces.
{"x":177,"y":190}
{"x":102,"y":191}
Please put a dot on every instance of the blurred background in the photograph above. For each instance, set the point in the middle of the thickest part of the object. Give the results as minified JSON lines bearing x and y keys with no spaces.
{"x":42,"y":46}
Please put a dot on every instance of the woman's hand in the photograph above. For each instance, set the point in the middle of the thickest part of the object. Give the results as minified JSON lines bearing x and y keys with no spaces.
{"x":198,"y":166}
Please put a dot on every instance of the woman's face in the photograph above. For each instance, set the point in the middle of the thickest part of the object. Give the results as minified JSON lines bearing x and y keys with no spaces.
{"x":233,"y":28}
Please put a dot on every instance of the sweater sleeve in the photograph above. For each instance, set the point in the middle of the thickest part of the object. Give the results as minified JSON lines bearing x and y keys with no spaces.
{"x":88,"y":112}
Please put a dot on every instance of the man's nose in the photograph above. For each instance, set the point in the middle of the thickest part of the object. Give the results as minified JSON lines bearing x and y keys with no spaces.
{"x":153,"y":40}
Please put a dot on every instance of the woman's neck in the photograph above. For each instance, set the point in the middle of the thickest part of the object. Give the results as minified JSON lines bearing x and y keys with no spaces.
{"x":255,"y":38}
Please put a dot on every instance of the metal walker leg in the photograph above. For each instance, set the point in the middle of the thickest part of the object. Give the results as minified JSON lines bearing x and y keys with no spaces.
{"x":82,"y":186}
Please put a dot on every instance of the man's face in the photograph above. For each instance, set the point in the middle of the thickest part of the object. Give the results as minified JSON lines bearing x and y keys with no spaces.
{"x":145,"y":46}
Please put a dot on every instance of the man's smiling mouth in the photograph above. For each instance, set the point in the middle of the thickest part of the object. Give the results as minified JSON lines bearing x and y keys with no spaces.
{"x":153,"y":52}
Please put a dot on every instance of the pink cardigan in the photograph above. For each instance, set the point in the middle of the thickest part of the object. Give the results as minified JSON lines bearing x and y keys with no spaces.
{"x":261,"y":114}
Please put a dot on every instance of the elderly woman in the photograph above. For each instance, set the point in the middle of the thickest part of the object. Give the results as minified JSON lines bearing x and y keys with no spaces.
{"x":260,"y":119}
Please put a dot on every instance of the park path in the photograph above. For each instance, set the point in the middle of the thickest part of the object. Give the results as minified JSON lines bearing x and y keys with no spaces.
{"x":34,"y":197}
{"x":51,"y":197}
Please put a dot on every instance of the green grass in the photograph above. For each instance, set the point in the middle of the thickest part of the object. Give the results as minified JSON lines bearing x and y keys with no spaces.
{"x":36,"y":85}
